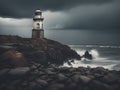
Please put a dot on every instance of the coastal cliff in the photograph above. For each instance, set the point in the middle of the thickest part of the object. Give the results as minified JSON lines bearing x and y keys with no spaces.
{"x":18,"y":51}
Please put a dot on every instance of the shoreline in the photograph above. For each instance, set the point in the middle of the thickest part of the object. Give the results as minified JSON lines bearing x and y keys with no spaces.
{"x":28,"y":65}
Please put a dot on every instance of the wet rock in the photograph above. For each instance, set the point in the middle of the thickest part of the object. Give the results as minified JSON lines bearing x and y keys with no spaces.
{"x":75,"y":78}
{"x":49,"y":72}
{"x":87,"y":55}
{"x":4,"y":71}
{"x":19,"y":71}
{"x":61,"y":77}
{"x":41,"y":82}
{"x":56,"y":86}
{"x":96,"y":85}
{"x":32,"y":85}
{"x":85,"y":79}
{"x":71,"y":86}
{"x":71,"y":69}
{"x":110,"y":78}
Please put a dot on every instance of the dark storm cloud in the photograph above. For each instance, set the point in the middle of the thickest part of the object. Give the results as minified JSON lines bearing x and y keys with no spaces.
{"x":106,"y":16}
{"x":24,"y":8}
{"x":73,"y":14}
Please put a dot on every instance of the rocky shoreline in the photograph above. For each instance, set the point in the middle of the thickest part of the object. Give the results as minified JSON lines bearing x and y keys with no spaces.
{"x":33,"y":64}
{"x":17,"y":51}
{"x":51,"y":77}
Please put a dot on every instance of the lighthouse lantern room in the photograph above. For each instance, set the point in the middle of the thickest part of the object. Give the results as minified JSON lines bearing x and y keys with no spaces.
{"x":38,"y":31}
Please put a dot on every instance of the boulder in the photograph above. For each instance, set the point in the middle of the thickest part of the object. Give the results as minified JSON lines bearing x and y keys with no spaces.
{"x":41,"y":82}
{"x":4,"y":71}
{"x":109,"y":78}
{"x":13,"y":58}
{"x":56,"y":86}
{"x":87,"y":55}
{"x":19,"y":71}
{"x":61,"y":77}
{"x":85,"y":79}
{"x":97,"y":85}
{"x":75,"y":78}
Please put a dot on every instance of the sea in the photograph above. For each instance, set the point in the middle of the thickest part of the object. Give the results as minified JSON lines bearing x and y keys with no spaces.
{"x":103,"y":56}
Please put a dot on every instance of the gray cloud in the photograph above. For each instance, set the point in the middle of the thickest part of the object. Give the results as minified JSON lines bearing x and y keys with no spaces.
{"x":106,"y":16}
{"x":98,"y":17}
{"x":67,"y":14}
{"x":24,"y":8}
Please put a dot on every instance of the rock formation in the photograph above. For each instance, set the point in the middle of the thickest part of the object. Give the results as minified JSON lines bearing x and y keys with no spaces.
{"x":87,"y":55}
{"x":19,"y":51}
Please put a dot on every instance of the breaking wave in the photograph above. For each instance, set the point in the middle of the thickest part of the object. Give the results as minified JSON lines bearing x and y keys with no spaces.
{"x":97,"y":61}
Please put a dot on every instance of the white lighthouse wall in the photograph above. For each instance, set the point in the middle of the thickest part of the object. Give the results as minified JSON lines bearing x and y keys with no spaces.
{"x":38,"y":24}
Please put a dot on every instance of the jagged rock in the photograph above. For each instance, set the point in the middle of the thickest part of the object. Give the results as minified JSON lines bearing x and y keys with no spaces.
{"x":87,"y":55}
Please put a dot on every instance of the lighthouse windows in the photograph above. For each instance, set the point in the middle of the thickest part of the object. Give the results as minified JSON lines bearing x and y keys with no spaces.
{"x":38,"y":26}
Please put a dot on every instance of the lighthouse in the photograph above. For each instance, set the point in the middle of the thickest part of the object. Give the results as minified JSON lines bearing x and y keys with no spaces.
{"x":37,"y":31}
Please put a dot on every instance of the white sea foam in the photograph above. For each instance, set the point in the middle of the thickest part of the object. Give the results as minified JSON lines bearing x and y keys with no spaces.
{"x":100,"y":46}
{"x":97,"y":61}
{"x":86,"y":64}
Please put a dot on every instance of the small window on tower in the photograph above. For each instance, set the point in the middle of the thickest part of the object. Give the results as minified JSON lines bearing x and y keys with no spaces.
{"x":38,"y":25}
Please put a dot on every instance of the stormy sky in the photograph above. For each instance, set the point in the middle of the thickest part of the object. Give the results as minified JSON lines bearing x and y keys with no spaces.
{"x":78,"y":15}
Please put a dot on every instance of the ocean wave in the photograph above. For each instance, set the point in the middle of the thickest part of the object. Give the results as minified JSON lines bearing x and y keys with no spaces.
{"x":97,"y":60}
{"x":97,"y":46}
{"x":92,"y":64}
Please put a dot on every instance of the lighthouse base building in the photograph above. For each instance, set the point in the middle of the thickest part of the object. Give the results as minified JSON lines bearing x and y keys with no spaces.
{"x":38,"y":31}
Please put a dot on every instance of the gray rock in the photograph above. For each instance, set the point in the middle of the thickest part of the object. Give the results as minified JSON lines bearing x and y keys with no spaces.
{"x":32,"y":85}
{"x":71,"y":86}
{"x":4,"y":71}
{"x":19,"y":71}
{"x":97,"y":85}
{"x":110,"y":78}
{"x":85,"y":79}
{"x":41,"y":82}
{"x":49,"y":72}
{"x":75,"y":78}
{"x":33,"y":67}
{"x":61,"y":77}
{"x":56,"y":86}
{"x":71,"y":69}
{"x":51,"y":69}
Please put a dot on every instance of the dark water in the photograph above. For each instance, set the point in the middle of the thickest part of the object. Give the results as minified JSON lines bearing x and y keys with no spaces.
{"x":96,"y":37}
{"x":104,"y":37}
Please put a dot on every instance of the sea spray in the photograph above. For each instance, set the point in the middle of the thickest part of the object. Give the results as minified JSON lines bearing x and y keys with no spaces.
{"x":97,"y":61}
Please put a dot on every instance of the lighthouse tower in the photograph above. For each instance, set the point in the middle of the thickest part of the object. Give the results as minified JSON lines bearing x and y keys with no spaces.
{"x":38,"y":31}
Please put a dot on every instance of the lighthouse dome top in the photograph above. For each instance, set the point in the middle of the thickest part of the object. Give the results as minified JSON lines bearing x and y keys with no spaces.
{"x":38,"y":12}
